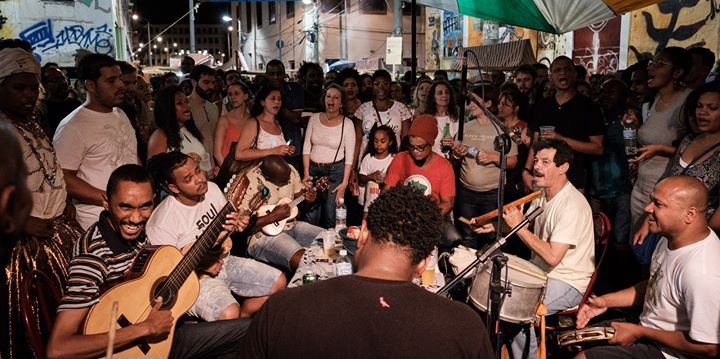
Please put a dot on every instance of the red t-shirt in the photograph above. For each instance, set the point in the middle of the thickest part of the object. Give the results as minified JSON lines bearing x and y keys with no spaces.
{"x":436,"y":179}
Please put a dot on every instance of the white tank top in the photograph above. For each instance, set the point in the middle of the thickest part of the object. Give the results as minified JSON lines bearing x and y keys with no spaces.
{"x":190,"y":143}
{"x":267,"y":140}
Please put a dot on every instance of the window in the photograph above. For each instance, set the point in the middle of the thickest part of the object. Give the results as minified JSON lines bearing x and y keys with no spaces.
{"x":332,"y":6}
{"x":248,"y":17}
{"x":375,"y":7}
{"x":272,"y":13}
{"x":290,"y":9}
{"x":259,"y":14}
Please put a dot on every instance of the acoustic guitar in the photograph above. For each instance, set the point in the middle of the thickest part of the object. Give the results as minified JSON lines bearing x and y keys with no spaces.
{"x":275,"y":228}
{"x":161,"y":271}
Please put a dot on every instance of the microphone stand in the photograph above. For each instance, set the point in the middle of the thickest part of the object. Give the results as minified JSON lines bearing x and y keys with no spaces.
{"x":462,"y":96}
{"x":498,"y":291}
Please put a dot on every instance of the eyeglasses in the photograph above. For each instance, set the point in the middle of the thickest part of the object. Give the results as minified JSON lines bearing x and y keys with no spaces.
{"x":658,"y":63}
{"x":418,"y":148}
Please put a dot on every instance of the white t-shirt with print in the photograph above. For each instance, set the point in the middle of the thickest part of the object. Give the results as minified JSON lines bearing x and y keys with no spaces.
{"x":173,"y":223}
{"x":370,"y":164}
{"x":94,"y":144}
{"x":683,"y":292}
{"x":393,"y":117}
{"x":567,"y":218}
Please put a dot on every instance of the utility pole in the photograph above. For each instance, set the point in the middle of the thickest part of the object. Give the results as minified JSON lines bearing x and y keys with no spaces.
{"x":316,"y":30}
{"x":192,"y":26}
{"x":149,"y":45}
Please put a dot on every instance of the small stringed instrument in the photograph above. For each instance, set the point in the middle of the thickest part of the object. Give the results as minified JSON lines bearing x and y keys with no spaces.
{"x":482,"y":219}
{"x":276,"y":228}
{"x":161,"y":271}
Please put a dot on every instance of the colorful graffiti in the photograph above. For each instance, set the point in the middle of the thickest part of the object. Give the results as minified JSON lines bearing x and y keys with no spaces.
{"x":684,"y":23}
{"x":597,"y":47}
{"x":452,"y":26}
{"x":98,"y":6}
{"x":97,"y":39}
{"x":432,"y":39}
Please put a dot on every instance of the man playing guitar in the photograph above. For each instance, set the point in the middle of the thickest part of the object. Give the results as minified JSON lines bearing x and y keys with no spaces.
{"x":183,"y":216}
{"x":104,"y":254}
{"x":283,"y":181}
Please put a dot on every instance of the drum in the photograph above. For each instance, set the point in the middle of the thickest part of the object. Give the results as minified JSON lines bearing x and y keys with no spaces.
{"x":575,"y":341}
{"x":528,"y":284}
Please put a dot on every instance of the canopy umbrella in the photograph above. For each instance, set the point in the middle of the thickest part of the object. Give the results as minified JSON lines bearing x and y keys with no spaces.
{"x":552,"y":16}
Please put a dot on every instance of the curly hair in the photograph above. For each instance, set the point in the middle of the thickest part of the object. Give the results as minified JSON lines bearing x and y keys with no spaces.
{"x":392,"y":147}
{"x":260,"y":96}
{"x":166,"y":118}
{"x":404,"y":216}
{"x":431,"y":104}
{"x":306,"y":67}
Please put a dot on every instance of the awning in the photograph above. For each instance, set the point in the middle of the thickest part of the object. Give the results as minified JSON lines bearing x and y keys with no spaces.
{"x":505,"y":56}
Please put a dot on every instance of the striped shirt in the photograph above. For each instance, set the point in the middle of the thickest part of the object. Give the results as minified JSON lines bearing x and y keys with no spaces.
{"x":101,"y":255}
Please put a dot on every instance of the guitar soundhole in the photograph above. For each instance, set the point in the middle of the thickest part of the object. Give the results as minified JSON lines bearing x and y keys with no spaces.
{"x":166,"y":291}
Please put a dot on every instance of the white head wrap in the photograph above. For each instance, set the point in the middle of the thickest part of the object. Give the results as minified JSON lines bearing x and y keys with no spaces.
{"x":15,"y":61}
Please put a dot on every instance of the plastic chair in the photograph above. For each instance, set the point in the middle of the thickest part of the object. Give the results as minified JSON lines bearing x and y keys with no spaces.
{"x":39,"y":299}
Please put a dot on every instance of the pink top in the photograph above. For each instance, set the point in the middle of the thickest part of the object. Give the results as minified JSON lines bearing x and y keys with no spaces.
{"x":232,"y":134}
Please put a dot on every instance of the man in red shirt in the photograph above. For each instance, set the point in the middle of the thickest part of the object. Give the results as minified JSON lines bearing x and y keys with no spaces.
{"x":420,"y":167}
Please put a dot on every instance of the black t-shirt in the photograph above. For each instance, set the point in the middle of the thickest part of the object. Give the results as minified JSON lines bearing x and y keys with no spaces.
{"x":359,"y":317}
{"x":578,"y":119}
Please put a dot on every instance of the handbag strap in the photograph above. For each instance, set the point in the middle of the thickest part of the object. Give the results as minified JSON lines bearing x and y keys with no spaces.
{"x":701,"y":155}
{"x":342,"y":134}
{"x":253,"y":145}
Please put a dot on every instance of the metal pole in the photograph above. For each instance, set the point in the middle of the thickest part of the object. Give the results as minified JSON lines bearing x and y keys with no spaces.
{"x":192,"y":26}
{"x":149,"y":45}
{"x":413,"y":39}
{"x":316,"y":30}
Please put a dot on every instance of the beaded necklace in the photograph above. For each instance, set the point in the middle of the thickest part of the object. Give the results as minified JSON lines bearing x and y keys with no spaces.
{"x":33,"y":135}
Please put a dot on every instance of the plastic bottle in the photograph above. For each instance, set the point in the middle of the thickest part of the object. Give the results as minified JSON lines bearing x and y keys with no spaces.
{"x":343,"y":265}
{"x":630,"y":136}
{"x":340,"y":216}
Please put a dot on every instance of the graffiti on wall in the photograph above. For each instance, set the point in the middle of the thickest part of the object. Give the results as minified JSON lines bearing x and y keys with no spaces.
{"x":432,"y":42}
{"x":453,"y":33}
{"x":106,"y":9}
{"x":684,"y":23}
{"x":43,"y":38}
{"x":597,"y":47}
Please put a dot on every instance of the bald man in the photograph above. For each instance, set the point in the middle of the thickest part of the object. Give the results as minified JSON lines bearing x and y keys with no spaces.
{"x":681,"y":305}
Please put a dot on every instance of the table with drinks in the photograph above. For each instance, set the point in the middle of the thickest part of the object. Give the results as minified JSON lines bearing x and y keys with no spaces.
{"x":331,"y":255}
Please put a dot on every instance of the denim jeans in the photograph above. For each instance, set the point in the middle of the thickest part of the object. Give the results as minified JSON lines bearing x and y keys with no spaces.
{"x":322,"y":212}
{"x":279,"y":249}
{"x":559,"y":296}
{"x":618,"y":210}
{"x":469,"y":204}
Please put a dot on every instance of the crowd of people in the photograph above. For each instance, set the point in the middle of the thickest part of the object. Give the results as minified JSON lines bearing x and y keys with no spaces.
{"x":94,"y":172}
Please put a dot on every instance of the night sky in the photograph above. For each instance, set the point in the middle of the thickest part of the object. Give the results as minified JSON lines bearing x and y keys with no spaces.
{"x":167,"y":11}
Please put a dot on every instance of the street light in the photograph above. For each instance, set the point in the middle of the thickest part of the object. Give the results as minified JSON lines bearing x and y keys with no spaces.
{"x":226,"y":18}
{"x":135,"y":16}
{"x":159,"y":39}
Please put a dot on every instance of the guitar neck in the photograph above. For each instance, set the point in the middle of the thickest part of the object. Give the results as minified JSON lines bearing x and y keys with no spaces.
{"x":296,"y":201}
{"x":199,"y":249}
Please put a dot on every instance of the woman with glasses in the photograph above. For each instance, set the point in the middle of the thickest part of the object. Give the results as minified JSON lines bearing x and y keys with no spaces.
{"x":662,"y":126}
{"x":478,"y":186}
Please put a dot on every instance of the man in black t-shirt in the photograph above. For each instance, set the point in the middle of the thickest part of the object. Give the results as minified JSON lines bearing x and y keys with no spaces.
{"x":378,"y":311}
{"x":573,"y":118}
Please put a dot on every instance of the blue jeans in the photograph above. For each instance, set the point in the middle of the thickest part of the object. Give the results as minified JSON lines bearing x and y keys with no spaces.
{"x":323,"y":212}
{"x":469,"y":204}
{"x":279,"y":249}
{"x":618,"y":210}
{"x":559,"y":296}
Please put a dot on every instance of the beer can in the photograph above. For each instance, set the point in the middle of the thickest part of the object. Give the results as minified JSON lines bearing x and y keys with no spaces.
{"x":310,"y":277}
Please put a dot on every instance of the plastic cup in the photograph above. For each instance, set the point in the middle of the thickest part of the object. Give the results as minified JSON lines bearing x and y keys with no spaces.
{"x":428,"y":276}
{"x":328,"y":238}
{"x":205,"y":164}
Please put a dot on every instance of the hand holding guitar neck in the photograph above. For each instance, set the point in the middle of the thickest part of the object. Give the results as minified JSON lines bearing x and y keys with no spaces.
{"x":310,"y":194}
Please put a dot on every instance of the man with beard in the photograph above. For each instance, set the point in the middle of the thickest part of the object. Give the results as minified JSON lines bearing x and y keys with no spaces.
{"x":56,"y":104}
{"x":104,"y":254}
{"x":180,"y":220}
{"x":132,"y":107}
{"x":681,"y":300}
{"x":430,"y":172}
{"x":561,"y":242}
{"x":525,"y":76}
{"x":96,"y":138}
{"x":570,"y":117}
{"x":204,"y":112}
{"x":293,"y":104}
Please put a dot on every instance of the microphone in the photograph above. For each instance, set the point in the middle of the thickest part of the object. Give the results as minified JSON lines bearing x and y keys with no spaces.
{"x":515,"y":137}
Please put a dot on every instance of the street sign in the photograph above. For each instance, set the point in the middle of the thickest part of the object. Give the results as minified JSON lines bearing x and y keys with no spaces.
{"x":393,"y":54}
{"x":279,"y":44}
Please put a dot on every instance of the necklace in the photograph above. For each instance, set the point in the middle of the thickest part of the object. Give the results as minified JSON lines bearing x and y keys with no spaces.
{"x":33,"y":136}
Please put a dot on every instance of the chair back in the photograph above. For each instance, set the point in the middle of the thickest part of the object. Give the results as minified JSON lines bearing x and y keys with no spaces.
{"x":39,"y":299}
{"x":603,"y":229}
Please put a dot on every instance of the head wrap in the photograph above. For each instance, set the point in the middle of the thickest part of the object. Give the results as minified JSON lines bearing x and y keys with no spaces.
{"x":16,"y":60}
{"x":425,"y":127}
